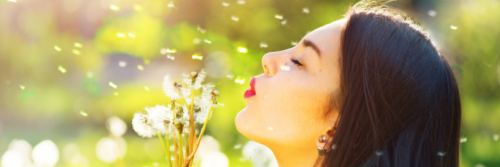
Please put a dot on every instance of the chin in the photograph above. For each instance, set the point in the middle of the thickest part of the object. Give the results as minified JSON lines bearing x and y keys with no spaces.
{"x":249,"y":128}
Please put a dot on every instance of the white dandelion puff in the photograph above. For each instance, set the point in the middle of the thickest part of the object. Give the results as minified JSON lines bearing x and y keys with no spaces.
{"x":174,"y":91}
{"x":199,"y":79}
{"x":161,"y":117}
{"x":143,"y":125}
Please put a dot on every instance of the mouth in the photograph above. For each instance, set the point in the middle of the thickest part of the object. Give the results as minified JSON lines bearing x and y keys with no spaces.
{"x":250,"y":92}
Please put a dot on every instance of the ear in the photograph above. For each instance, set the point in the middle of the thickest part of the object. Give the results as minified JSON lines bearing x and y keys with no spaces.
{"x":328,"y":129}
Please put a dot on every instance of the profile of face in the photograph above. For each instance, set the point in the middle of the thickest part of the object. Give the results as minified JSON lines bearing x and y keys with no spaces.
{"x":292,"y":105}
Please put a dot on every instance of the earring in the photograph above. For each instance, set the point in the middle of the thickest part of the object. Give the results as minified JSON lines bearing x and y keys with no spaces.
{"x":322,"y":151}
{"x":322,"y":139}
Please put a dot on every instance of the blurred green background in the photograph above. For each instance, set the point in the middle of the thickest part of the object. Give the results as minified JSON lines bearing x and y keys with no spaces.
{"x":58,"y":57}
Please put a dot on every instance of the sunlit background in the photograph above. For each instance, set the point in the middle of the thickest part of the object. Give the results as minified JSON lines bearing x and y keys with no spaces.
{"x":73,"y":72}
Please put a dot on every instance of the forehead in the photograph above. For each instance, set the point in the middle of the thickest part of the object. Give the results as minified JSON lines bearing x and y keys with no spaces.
{"x":327,"y":37}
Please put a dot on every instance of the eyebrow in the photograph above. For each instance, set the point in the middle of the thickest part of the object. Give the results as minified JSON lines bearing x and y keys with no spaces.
{"x":308,"y":43}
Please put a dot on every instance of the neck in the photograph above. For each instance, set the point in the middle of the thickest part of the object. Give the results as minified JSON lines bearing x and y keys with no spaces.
{"x":289,"y":157}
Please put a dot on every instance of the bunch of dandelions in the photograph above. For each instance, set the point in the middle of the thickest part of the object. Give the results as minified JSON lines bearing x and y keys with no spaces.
{"x":175,"y":119}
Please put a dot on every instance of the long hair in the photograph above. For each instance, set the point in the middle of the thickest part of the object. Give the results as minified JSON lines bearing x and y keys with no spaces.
{"x":400,"y":103}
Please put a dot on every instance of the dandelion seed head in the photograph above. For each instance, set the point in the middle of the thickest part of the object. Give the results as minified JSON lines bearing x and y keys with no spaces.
{"x":61,"y":68}
{"x":283,"y":22}
{"x":278,"y":17}
{"x":140,"y":67}
{"x":143,"y":125}
{"x":440,"y":153}
{"x":112,"y":84}
{"x":225,"y":4}
{"x":432,"y":13}
{"x":83,"y":113}
{"x":114,"y":7}
{"x":263,"y":45}
{"x":239,"y":80}
{"x":131,"y":35}
{"x":285,"y":68}
{"x":121,"y":35}
{"x":174,"y":90}
{"x":453,"y":27}
{"x":171,"y":4}
{"x":196,"y":40}
{"x":170,"y":57}
{"x":57,"y":48}
{"x":305,"y":10}
{"x":78,"y":45}
{"x":234,"y":18}
{"x":242,"y":50}
{"x":122,"y":63}
{"x":463,"y":139}
{"x":197,"y":56}
{"x":161,"y":117}
{"x":199,"y":79}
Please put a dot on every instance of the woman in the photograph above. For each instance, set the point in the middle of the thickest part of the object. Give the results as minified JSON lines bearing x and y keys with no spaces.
{"x":366,"y":90}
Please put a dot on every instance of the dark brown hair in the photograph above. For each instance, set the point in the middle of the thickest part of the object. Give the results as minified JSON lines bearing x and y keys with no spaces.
{"x":400,"y":103}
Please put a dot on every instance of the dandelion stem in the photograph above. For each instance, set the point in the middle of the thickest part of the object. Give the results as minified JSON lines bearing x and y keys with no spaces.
{"x":164,"y":149}
{"x":168,"y":150}
{"x":186,"y":142}
{"x":192,"y":136}
{"x":176,"y":159}
{"x":199,"y":137}
{"x":181,"y":152}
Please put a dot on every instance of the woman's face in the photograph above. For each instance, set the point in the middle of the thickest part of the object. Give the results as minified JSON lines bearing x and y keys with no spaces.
{"x":291,"y":100}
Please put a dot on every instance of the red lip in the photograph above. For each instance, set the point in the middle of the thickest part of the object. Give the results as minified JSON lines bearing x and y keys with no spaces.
{"x":250,"y":92}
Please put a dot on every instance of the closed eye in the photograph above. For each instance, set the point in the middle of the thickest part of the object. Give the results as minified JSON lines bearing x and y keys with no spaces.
{"x":296,"y":62}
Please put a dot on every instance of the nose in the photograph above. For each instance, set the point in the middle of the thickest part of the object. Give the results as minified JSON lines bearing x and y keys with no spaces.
{"x":270,"y":63}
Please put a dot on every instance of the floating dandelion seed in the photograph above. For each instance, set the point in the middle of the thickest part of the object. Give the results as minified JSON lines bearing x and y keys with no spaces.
{"x":225,"y":4}
{"x":234,"y":18}
{"x":131,"y":35}
{"x":495,"y":137}
{"x":239,"y":80}
{"x":270,"y":128}
{"x":57,"y":48}
{"x":121,"y":35}
{"x":440,"y":153}
{"x":283,"y":22}
{"x":78,"y":45}
{"x":170,"y":57}
{"x":114,"y":7}
{"x":242,"y":49}
{"x":201,"y":30}
{"x":197,"y":56}
{"x":83,"y":113}
{"x":112,"y":85}
{"x":432,"y":13}
{"x":147,"y":89}
{"x":453,"y":27}
{"x":12,"y":1}
{"x":237,"y":146}
{"x":22,"y":87}
{"x":140,"y":67}
{"x":171,"y":4}
{"x":241,"y":2}
{"x":285,"y":68}
{"x":263,"y":45}
{"x":305,"y":10}
{"x":122,"y":63}
{"x":167,"y":50}
{"x":137,"y":7}
{"x":207,"y":41}
{"x":229,"y":76}
{"x":378,"y":153}
{"x":76,"y":52}
{"x":116,"y":93}
{"x":278,"y":16}
{"x":90,"y":74}
{"x":62,"y":69}
{"x":196,"y":41}
{"x":294,"y":43}
{"x":463,"y":139}
{"x":479,"y":165}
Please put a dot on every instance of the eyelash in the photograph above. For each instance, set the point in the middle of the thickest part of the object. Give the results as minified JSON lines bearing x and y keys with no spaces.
{"x":297,"y":62}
